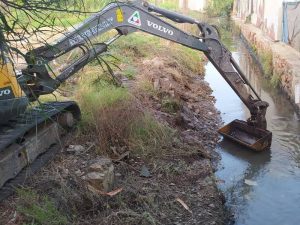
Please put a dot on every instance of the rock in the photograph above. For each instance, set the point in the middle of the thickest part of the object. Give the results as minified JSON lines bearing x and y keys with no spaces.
{"x":118,"y":175}
{"x":156,"y":84}
{"x":100,"y":174}
{"x":78,"y":173}
{"x":250,"y":182}
{"x":75,"y":149}
{"x":145,"y":172}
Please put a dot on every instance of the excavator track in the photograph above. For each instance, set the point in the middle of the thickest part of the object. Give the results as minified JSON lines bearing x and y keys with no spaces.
{"x":31,"y":140}
{"x":10,"y":186}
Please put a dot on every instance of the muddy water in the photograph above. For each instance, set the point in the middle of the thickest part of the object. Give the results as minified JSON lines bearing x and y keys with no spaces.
{"x":260,"y":188}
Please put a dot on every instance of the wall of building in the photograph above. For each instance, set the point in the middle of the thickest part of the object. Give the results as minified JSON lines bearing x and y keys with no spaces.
{"x":278,"y":19}
{"x":264,"y":14}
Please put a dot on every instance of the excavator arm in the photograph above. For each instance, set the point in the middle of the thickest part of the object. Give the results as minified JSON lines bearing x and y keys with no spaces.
{"x":28,"y":135}
{"x":123,"y":17}
{"x":127,"y":18}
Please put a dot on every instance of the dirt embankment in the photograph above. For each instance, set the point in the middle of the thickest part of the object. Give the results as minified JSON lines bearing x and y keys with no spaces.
{"x":175,"y":184}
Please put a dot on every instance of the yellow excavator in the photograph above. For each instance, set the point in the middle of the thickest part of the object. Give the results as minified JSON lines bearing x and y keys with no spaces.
{"x":28,"y":134}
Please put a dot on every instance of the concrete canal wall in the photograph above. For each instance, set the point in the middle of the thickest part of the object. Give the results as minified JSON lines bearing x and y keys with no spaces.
{"x":280,"y":61}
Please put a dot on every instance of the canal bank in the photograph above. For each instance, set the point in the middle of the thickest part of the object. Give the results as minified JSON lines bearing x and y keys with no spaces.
{"x":259,"y":188}
{"x":280,"y":62}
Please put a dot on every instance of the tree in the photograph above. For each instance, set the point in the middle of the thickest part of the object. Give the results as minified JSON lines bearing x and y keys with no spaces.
{"x":20,"y":20}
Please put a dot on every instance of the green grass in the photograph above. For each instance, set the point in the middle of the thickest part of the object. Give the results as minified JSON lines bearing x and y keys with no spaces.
{"x":94,"y":97}
{"x":170,"y":105}
{"x":130,"y":71}
{"x":150,"y":138}
{"x":38,"y":209}
{"x":111,"y":116}
{"x":170,"y":5}
{"x":58,"y":18}
{"x":267,"y":62}
{"x":219,"y":7}
{"x":135,"y":46}
{"x":167,"y":4}
{"x":275,"y":80}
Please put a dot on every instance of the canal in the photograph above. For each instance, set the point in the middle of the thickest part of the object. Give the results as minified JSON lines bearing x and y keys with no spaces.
{"x":260,"y":188}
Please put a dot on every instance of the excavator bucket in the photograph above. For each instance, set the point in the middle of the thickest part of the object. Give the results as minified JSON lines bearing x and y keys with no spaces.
{"x":249,"y":136}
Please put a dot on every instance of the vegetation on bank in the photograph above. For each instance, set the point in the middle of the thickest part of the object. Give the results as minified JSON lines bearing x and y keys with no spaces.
{"x":39,"y":209}
{"x":219,"y":7}
{"x":265,"y":57}
{"x":113,"y":118}
{"x":123,"y":122}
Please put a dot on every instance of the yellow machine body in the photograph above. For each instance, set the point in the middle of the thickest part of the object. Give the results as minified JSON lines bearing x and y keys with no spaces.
{"x":13,"y":101}
{"x":9,"y":87}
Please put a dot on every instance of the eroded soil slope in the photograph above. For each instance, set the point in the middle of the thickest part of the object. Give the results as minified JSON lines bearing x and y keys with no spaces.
{"x":166,"y":178}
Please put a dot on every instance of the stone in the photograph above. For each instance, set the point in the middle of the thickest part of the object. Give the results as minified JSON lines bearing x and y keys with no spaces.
{"x":156,"y":84}
{"x":212,"y":206}
{"x":145,"y":172}
{"x":75,"y":149}
{"x":100,"y":174}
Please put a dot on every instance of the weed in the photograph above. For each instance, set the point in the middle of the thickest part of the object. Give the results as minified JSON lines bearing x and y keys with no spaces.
{"x":135,"y":46}
{"x":146,"y":85}
{"x":248,"y":19}
{"x":188,"y":58}
{"x":254,"y":48}
{"x":150,"y":137}
{"x":39,"y":209}
{"x":93,"y":98}
{"x":148,"y":218}
{"x":219,"y":7}
{"x":170,"y":5}
{"x":130,"y":72}
{"x":267,"y":62}
{"x":108,"y":112}
{"x":170,"y":105}
{"x":275,"y":80}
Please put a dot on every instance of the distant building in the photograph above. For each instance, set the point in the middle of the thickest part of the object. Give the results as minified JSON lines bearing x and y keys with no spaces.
{"x":279,"y":19}
{"x":198,"y":5}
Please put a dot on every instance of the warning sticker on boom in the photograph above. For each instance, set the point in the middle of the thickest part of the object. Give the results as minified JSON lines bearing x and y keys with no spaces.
{"x":135,"y":19}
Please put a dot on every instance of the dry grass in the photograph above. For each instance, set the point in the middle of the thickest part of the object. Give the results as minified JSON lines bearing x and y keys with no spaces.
{"x":112,"y":125}
{"x":117,"y":122}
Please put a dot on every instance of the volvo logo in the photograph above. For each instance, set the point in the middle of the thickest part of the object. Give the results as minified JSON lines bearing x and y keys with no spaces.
{"x":160,"y":28}
{"x":5,"y":92}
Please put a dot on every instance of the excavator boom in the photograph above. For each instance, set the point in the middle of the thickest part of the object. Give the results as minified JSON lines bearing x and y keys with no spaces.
{"x":126,"y":18}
